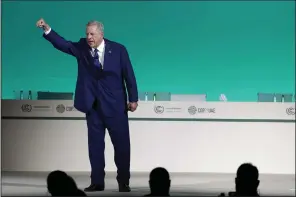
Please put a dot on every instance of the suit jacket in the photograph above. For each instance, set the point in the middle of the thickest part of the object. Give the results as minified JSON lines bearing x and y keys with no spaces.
{"x":109,"y":85}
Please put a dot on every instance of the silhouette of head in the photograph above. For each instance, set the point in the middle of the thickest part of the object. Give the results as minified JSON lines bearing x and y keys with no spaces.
{"x":59,"y":183}
{"x":159,"y":181}
{"x":247,"y":180}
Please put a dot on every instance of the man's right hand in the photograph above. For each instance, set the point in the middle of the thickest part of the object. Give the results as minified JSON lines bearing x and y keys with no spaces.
{"x":42,"y":24}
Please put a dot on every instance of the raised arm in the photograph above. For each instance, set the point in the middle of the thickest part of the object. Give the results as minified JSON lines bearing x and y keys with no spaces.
{"x":56,"y":40}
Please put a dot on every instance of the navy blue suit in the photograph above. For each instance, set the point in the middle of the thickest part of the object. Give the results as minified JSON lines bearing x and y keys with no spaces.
{"x":102,"y":96}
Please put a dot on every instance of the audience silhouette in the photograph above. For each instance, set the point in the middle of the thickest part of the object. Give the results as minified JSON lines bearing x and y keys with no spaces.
{"x":247,"y":182}
{"x":159,"y":182}
{"x":60,"y":184}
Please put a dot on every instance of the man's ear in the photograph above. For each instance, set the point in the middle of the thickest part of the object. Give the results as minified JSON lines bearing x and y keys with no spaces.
{"x":258,"y":183}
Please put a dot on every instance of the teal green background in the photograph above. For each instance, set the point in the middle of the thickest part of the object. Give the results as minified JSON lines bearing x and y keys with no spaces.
{"x":235,"y":48}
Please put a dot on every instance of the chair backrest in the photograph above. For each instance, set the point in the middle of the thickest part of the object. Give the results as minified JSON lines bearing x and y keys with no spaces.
{"x":266,"y":97}
{"x":288,"y":98}
{"x":55,"y":95}
{"x":278,"y":97}
{"x":188,"y":97}
{"x":141,"y":96}
{"x":145,"y":95}
{"x":162,"y":96}
{"x":159,"y":96}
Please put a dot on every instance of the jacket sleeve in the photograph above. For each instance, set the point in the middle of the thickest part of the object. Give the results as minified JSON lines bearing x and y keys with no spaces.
{"x":61,"y":44}
{"x":129,"y":75}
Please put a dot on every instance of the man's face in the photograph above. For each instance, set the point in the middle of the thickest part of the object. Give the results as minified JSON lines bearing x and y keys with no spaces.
{"x":94,"y":36}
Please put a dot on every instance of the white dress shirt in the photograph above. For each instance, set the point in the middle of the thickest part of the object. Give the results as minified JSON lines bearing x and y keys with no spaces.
{"x":101,"y":50}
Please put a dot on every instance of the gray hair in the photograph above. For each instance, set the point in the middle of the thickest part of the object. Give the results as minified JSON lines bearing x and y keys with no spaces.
{"x":98,"y":24}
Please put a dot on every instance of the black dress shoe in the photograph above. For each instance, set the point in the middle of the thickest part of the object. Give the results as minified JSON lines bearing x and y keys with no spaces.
{"x":124,"y":188}
{"x":94,"y":188}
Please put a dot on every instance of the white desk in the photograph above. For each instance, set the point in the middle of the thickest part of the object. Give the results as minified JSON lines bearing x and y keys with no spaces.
{"x":181,"y":136}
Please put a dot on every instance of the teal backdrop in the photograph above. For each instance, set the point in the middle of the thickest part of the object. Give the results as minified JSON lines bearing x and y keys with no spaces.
{"x":236,"y":48}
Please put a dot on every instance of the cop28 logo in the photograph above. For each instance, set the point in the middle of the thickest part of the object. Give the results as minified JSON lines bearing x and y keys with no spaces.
{"x":60,"y":108}
{"x":192,"y":110}
{"x":26,"y":108}
{"x":159,"y":109}
{"x":290,"y":111}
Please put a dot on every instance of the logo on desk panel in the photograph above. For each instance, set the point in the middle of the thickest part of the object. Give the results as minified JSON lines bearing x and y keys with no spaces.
{"x":26,"y":108}
{"x":290,"y":111}
{"x":192,"y":110}
{"x":206,"y":110}
{"x":159,"y":109}
{"x":60,"y":108}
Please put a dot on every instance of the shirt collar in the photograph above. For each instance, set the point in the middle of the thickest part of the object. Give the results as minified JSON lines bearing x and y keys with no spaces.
{"x":100,"y":47}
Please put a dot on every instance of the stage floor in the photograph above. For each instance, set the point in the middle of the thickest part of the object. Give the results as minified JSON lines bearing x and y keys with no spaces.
{"x":184,"y":184}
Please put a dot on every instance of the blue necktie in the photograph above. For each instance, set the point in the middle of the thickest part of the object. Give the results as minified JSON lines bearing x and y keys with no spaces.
{"x":96,"y":59}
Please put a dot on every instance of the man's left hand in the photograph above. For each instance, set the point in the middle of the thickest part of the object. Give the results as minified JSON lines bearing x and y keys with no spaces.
{"x":132,"y":106}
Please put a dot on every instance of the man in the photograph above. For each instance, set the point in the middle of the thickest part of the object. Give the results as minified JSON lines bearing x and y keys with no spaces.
{"x":104,"y":74}
{"x":246,"y":181}
{"x":61,"y":184}
{"x":159,"y":182}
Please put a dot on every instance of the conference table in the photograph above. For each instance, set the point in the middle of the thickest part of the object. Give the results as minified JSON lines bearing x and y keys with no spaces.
{"x":44,"y":135}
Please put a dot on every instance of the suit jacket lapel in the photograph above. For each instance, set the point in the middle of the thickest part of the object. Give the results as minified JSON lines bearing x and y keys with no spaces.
{"x":107,"y":53}
{"x":89,"y":58}
{"x":87,"y":54}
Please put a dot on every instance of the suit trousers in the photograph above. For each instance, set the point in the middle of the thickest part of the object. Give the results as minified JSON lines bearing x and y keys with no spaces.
{"x":118,"y":129}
